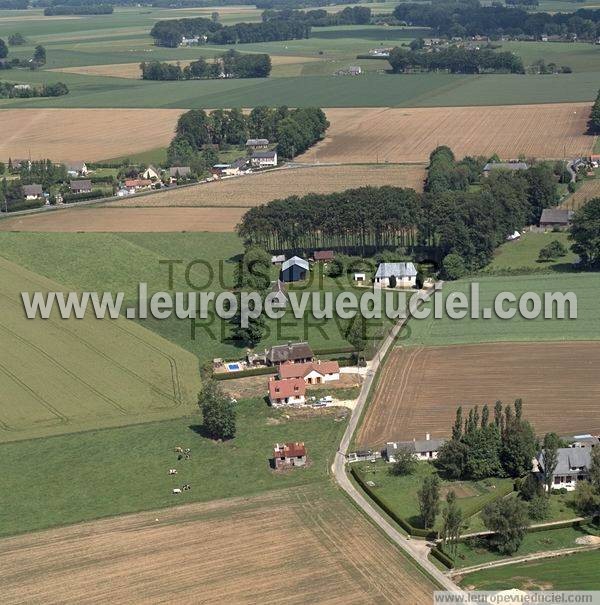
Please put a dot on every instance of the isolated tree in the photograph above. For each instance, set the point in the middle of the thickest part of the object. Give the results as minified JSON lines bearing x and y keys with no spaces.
{"x":454,"y":266}
{"x":406,"y":462}
{"x":452,"y":522}
{"x":508,"y":518}
{"x":3,"y":49}
{"x":452,"y":459}
{"x":586,"y":500}
{"x":429,"y":500}
{"x":538,"y":507}
{"x":218,"y":411}
{"x":39,"y":55}
{"x":457,"y":428}
{"x":518,"y":442}
{"x":550,"y":450}
{"x":585,"y":232}
{"x":356,"y":334}
{"x":16,"y":39}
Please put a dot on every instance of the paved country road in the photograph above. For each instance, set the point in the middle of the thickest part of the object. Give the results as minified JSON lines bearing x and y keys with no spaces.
{"x":416,"y":549}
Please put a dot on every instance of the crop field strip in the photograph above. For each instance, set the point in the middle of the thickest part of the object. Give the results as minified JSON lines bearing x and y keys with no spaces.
{"x":259,"y":188}
{"x":409,"y":135}
{"x":127,"y":220}
{"x":306,"y":541}
{"x":421,"y":387}
{"x":85,"y":376}
{"x":588,"y":190}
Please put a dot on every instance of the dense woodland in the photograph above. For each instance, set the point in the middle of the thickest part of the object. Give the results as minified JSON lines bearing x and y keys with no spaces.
{"x":351,"y":15}
{"x":451,"y":219}
{"x":294,"y":131}
{"x":232,"y":64}
{"x":469,"y":18}
{"x":455,"y":60}
{"x":171,"y":32}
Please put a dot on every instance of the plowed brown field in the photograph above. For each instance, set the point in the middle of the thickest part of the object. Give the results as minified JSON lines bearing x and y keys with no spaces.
{"x":83,"y":134}
{"x":409,"y":135}
{"x":420,"y":388}
{"x":126,"y":220}
{"x":306,"y":545}
{"x":256,"y":189}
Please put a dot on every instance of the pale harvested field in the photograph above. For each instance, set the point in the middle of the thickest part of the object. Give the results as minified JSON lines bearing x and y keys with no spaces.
{"x":256,"y":189}
{"x":132,"y":71}
{"x":83,"y":134}
{"x":587,"y":191}
{"x":292,"y":546}
{"x":127,"y":220}
{"x":420,"y":388}
{"x":409,"y":135}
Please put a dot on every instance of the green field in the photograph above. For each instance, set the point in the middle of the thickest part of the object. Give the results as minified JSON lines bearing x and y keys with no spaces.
{"x":475,"y":551}
{"x":445,"y":331}
{"x":59,"y":376}
{"x":123,"y":38}
{"x":522,"y":254}
{"x":570,"y":572}
{"x":82,"y":476}
{"x":400,"y":493}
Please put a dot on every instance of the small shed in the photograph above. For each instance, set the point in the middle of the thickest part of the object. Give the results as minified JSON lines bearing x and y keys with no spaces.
{"x":277,"y":259}
{"x":555,"y":218}
{"x":294,"y":269}
{"x":323,"y":256}
{"x":360,"y":277}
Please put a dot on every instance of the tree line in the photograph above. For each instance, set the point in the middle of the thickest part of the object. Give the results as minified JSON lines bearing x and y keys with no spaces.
{"x":87,"y":9}
{"x":469,"y":18}
{"x":294,"y":130}
{"x":10,"y":90}
{"x":455,"y":60}
{"x":351,"y":15}
{"x":594,"y":122}
{"x":230,"y":65}
{"x":171,"y":32}
{"x":37,"y":60}
{"x":450,"y":219}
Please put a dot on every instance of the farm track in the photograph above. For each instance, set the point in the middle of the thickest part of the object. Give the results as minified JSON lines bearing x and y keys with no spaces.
{"x":442,"y":378}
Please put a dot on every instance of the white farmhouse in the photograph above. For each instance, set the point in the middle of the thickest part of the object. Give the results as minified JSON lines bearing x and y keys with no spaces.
{"x":396,"y":275}
{"x":573,"y":465}
{"x":423,"y":449}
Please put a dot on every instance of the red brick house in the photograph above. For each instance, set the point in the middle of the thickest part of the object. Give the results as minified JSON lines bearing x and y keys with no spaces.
{"x":287,"y":392}
{"x":289,"y":455}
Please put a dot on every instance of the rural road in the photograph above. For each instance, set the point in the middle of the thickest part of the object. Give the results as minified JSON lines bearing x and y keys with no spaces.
{"x":416,"y":549}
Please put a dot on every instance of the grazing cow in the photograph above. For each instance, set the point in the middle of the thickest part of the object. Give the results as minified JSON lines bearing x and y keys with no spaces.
{"x":172,"y":471}
{"x":176,"y":490}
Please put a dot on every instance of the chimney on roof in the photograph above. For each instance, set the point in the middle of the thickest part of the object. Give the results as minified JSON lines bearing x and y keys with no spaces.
{"x":427,"y":437}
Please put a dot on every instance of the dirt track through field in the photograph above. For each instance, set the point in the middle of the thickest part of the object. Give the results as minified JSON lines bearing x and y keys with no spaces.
{"x":290,"y":546}
{"x":127,"y":220}
{"x":409,"y":135}
{"x":83,"y":134}
{"x":420,"y":388}
{"x":260,"y":188}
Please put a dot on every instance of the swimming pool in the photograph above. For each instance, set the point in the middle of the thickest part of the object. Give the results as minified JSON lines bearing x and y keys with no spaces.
{"x":234,"y":367}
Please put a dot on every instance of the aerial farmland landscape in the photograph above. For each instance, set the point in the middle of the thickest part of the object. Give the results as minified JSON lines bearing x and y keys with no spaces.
{"x":299,"y":301}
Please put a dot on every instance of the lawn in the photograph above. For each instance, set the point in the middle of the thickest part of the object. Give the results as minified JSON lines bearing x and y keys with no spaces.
{"x":570,"y":572}
{"x":464,"y":331}
{"x":400,"y":493}
{"x":82,"y":476}
{"x":522,"y":254}
{"x":475,"y":551}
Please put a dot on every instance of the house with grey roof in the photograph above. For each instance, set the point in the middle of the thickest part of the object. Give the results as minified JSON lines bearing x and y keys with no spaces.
{"x":423,"y":449}
{"x":33,"y":192}
{"x":257,"y":143}
{"x":396,"y":275}
{"x":294,"y":269}
{"x":278,"y":294}
{"x":503,"y":166}
{"x":177,"y":172}
{"x":555,"y":218}
{"x":573,"y":465}
{"x":264,"y":159}
{"x":296,"y":352}
{"x":84,"y":186}
{"x":78,"y":168}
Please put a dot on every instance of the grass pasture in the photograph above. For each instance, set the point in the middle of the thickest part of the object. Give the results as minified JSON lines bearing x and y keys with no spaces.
{"x":60,"y":376}
{"x":420,"y":388}
{"x":569,"y":572}
{"x":307,"y":541}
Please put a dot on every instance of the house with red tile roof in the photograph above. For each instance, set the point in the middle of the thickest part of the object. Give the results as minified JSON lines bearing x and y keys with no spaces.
{"x":312,"y":372}
{"x":290,"y":391}
{"x":287,"y":455}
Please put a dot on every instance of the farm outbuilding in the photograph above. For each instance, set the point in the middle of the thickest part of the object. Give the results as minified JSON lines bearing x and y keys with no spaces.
{"x":294,"y":269}
{"x":555,"y":218}
{"x":396,"y":275}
